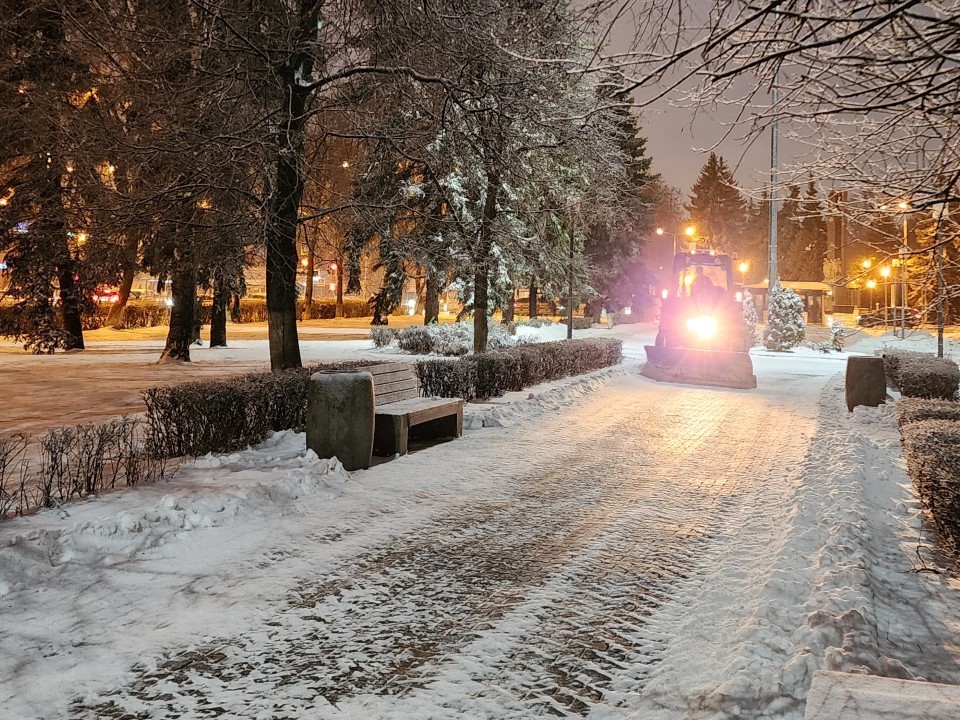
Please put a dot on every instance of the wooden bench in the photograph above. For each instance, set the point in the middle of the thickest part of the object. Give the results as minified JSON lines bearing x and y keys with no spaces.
{"x":400,"y":409}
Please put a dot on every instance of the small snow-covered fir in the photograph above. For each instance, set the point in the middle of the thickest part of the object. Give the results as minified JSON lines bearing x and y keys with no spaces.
{"x":784,"y":319}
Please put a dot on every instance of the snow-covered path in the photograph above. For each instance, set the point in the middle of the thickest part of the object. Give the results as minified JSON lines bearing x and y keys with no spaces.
{"x":619,"y":555}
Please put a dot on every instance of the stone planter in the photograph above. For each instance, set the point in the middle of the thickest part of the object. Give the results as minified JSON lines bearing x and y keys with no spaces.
{"x":340,"y":417}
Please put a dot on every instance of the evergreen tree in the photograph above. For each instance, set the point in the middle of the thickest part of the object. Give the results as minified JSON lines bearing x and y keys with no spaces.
{"x":716,"y":207}
{"x":754,"y":243}
{"x":790,"y":237}
{"x":612,"y":247}
{"x":42,"y":86}
{"x":815,"y":231}
{"x":784,"y":328}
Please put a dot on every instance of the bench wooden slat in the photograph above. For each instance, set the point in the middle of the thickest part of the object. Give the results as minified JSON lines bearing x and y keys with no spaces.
{"x":395,"y":385}
{"x":395,"y":397}
{"x":394,"y":377}
{"x":385,"y":368}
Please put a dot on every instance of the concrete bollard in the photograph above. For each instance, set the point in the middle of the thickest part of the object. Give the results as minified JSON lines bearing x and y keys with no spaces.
{"x":865,"y":382}
{"x":340,"y":417}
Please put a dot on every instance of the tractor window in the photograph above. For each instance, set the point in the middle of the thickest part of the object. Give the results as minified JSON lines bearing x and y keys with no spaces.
{"x":694,"y":282}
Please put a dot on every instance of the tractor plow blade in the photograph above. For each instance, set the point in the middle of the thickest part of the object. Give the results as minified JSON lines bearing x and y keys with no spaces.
{"x":715,"y":368}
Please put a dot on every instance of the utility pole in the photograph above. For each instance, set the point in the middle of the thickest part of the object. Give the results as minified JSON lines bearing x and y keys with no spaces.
{"x":773,"y":272}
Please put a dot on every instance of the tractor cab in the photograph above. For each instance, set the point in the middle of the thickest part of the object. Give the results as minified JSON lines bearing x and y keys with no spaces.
{"x":705,"y":278}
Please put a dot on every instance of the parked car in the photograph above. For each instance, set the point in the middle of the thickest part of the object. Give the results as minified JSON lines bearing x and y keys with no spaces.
{"x":889,"y":316}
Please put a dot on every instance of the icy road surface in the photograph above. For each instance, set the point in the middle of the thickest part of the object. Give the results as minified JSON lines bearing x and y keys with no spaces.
{"x":622,"y":549}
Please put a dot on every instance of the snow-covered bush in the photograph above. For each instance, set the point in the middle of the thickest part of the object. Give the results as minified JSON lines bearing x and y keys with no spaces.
{"x":382,"y":335}
{"x":911,"y":410}
{"x":494,"y":373}
{"x":536,"y":323}
{"x":452,"y":340}
{"x":932,"y":449}
{"x":921,"y":375}
{"x":784,"y":328}
{"x":750,"y":316}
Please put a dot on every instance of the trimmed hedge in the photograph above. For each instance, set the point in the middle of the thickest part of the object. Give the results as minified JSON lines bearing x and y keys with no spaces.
{"x":911,"y":410}
{"x":140,"y":314}
{"x":225,"y":415}
{"x":932,"y":449}
{"x":494,"y":373}
{"x":921,"y":375}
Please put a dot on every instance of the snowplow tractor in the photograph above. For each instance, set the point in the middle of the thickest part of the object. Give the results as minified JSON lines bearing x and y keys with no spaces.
{"x":702,"y":338}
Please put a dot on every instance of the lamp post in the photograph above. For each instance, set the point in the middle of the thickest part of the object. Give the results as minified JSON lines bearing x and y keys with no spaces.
{"x":744,"y":266}
{"x":574,"y":205}
{"x":885,"y":274}
{"x":871,"y":286}
{"x":690,"y":231}
{"x":904,"y":207}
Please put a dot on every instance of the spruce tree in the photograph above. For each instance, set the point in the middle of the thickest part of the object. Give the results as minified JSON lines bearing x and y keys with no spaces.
{"x":716,"y":206}
{"x":784,"y":319}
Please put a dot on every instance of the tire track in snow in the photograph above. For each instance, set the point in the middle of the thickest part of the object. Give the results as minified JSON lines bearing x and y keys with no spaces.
{"x":567,"y":571}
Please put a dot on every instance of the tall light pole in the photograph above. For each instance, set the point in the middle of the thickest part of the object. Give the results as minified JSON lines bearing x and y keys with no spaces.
{"x":904,"y":207}
{"x":940,"y":213}
{"x":885,"y":274}
{"x":744,"y":266}
{"x":774,"y":273}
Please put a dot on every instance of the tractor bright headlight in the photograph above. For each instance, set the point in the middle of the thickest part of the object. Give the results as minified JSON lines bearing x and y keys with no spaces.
{"x":704,"y":326}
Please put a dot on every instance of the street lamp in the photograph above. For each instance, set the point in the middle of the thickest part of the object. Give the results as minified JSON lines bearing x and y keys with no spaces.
{"x":744,"y":266}
{"x":866,"y":264}
{"x":871,"y":286}
{"x":885,"y":274}
{"x":690,"y":231}
{"x":904,"y":251}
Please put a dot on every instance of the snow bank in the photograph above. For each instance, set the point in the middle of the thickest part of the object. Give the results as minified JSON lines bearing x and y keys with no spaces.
{"x":208,"y":492}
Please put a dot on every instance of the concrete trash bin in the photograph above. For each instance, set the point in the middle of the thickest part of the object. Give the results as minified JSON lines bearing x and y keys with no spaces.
{"x":865,"y":382}
{"x":340,"y":417}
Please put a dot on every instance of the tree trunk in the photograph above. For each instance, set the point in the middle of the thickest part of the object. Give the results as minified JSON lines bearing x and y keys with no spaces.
{"x":532,"y":300}
{"x":281,"y":230}
{"x":480,"y":300}
{"x":130,"y":247}
{"x":481,"y":260}
{"x":70,"y":310}
{"x":419,"y":285}
{"x":508,"y":305}
{"x":308,"y":286}
{"x":339,"y":309}
{"x":431,"y":302}
{"x":218,"y":314}
{"x":183,"y":288}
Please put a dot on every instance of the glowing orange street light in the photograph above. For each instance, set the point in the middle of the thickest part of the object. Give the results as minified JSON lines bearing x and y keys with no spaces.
{"x":866,"y":264}
{"x":659,"y":231}
{"x":885,"y":272}
{"x":690,"y":231}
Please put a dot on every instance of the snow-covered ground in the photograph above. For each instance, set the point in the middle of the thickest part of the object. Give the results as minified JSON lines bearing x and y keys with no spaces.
{"x":44,"y":391}
{"x":612,"y":548}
